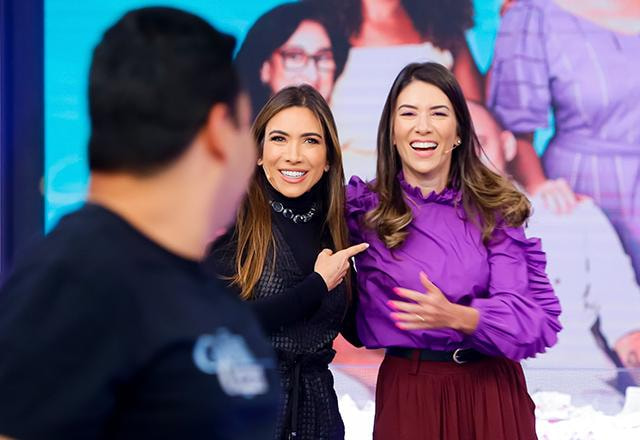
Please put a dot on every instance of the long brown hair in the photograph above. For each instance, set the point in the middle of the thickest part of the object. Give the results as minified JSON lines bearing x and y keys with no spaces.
{"x":253,"y":232}
{"x":486,"y":196}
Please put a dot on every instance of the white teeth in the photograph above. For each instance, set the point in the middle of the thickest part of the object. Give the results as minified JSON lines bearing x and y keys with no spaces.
{"x":424,"y":145}
{"x":293,"y":174}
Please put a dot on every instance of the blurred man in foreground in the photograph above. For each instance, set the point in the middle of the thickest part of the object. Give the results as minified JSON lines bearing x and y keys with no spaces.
{"x":108,"y":327}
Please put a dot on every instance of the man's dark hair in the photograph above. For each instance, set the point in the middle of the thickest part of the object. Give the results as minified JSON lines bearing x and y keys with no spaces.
{"x":154,"y":78}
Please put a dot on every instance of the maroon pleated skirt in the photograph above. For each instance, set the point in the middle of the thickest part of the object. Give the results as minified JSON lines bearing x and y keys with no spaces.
{"x":480,"y":400}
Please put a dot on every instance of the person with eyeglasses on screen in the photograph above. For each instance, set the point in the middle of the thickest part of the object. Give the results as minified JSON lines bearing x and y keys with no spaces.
{"x":292,"y":44}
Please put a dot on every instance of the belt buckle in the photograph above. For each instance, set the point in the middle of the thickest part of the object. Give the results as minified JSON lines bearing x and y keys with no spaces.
{"x":455,"y":356}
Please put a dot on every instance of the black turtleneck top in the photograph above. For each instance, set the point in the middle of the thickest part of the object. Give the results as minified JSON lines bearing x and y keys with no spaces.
{"x":306,"y":240}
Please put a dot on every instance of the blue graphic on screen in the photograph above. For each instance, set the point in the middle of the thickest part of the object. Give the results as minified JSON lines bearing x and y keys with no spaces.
{"x":72,"y":29}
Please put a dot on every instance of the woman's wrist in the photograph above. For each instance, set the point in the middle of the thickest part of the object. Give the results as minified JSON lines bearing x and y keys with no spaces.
{"x":465,"y":319}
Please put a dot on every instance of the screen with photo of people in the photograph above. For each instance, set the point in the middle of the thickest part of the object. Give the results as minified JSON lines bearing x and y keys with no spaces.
{"x":553,"y":97}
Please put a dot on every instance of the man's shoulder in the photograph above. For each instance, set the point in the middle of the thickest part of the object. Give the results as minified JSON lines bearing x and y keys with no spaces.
{"x":226,"y":300}
{"x":76,"y":248}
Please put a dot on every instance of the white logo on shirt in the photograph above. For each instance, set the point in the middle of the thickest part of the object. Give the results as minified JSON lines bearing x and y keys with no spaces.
{"x":228,"y":356}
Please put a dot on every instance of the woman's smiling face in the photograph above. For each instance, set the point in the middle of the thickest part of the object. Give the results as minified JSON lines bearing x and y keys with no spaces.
{"x":294,"y":154}
{"x":424,"y":132}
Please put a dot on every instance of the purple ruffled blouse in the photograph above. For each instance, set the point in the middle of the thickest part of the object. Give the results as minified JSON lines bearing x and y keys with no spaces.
{"x":504,"y":280}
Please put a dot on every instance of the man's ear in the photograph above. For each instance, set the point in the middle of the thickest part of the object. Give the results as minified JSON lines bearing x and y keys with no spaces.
{"x":509,"y":145}
{"x":218,"y":128}
{"x":265,"y":72}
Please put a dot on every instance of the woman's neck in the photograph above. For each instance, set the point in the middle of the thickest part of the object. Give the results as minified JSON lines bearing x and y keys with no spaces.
{"x":426,"y":183}
{"x":385,"y":23}
{"x":302,"y":202}
{"x":381,"y":10}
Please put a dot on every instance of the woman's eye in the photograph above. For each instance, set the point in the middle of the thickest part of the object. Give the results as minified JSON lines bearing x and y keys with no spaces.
{"x":440,"y":114}
{"x":407,"y":114}
{"x":277,"y":139}
{"x":312,"y":141}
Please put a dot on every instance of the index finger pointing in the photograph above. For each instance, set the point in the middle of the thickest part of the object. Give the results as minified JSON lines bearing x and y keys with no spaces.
{"x":354,"y":250}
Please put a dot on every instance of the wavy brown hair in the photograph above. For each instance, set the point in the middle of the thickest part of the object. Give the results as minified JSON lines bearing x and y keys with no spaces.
{"x":253,"y":232}
{"x":487,"y":197}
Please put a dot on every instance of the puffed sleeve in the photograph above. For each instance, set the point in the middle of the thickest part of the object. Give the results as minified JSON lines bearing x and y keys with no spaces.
{"x":360,"y":199}
{"x":519,"y":89}
{"x":519,"y":316}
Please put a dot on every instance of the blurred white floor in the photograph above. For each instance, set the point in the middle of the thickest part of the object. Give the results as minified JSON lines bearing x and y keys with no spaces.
{"x":582,"y":410}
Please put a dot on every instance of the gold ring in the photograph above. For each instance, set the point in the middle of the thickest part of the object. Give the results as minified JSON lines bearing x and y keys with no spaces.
{"x":421,"y":318}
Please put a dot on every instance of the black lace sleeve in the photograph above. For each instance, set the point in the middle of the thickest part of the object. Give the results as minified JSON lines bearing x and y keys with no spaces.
{"x":293,"y":305}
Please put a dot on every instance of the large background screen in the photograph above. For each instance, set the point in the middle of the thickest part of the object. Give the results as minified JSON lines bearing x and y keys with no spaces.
{"x":553,"y":90}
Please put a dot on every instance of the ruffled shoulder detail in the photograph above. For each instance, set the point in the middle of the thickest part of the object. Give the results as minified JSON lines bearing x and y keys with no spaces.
{"x":360,"y":200}
{"x":540,"y":290}
{"x":448,"y":196}
{"x":519,"y":318}
{"x":360,"y":197}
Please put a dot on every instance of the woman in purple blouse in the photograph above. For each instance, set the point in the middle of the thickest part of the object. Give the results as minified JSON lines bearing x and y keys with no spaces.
{"x":451,"y":367}
{"x":580,"y":58}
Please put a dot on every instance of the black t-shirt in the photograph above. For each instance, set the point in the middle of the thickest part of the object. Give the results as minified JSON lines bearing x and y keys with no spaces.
{"x":105,"y":334}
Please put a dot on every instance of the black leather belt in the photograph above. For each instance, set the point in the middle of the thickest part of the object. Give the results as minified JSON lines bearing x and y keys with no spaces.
{"x":459,"y":356}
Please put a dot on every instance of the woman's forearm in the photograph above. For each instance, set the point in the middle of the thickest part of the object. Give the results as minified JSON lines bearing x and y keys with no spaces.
{"x":526,"y":166}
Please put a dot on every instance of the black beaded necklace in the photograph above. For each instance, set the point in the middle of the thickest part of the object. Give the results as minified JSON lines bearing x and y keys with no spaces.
{"x":289,"y":215}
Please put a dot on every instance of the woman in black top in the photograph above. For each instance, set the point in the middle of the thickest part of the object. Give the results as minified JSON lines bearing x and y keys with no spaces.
{"x":288,"y":255}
